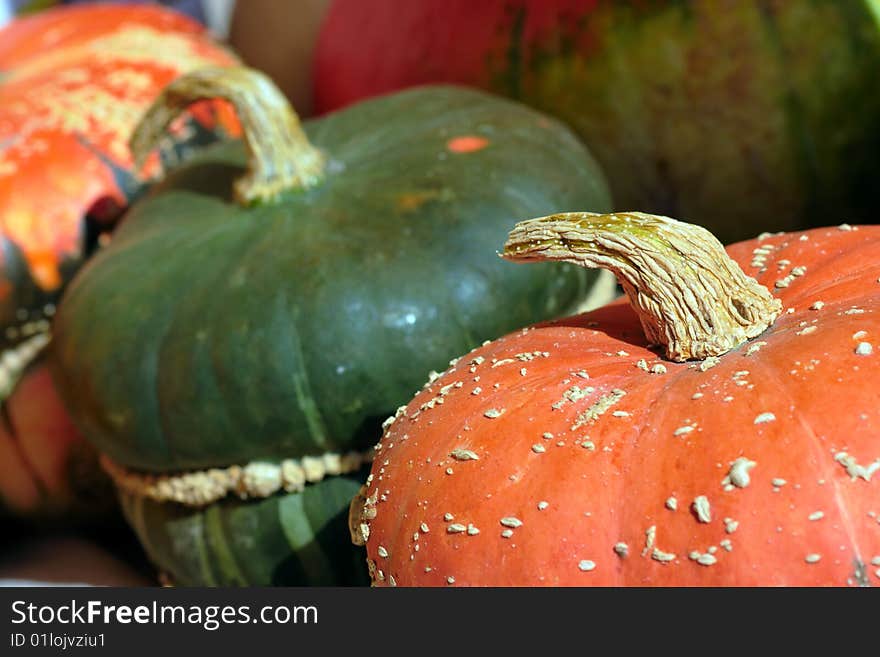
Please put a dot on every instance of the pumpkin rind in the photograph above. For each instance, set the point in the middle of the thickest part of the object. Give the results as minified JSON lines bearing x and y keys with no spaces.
{"x":596,"y":467}
{"x":742,"y":117}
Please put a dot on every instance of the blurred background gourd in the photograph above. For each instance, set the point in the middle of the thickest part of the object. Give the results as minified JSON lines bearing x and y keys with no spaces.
{"x":73,"y":82}
{"x":741,"y":116}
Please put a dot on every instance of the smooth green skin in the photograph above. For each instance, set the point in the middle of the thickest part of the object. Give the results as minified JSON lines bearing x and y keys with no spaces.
{"x":294,"y":539}
{"x":207,"y":334}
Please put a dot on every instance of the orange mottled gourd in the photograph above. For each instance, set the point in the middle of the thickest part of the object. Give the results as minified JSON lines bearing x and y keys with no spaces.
{"x":73,"y":84}
{"x":722,"y":428}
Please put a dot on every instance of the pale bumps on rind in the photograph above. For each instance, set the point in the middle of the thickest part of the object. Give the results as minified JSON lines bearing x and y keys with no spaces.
{"x":774,"y":483}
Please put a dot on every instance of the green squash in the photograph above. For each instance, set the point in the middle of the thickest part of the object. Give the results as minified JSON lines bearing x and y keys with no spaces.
{"x":289,"y":318}
{"x":297,"y":538}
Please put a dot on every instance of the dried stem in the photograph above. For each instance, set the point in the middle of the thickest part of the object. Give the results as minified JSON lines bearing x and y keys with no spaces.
{"x":690,"y":296}
{"x":280,"y":157}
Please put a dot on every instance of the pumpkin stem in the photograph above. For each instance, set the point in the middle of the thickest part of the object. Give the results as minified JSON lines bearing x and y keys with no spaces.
{"x":280,"y":157}
{"x":690,"y":296}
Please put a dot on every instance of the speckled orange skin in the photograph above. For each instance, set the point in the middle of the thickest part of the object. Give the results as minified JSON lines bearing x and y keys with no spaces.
{"x":825,"y":398}
{"x":73,"y":83}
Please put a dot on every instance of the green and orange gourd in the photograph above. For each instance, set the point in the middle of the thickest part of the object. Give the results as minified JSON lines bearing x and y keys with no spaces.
{"x":265,"y":307}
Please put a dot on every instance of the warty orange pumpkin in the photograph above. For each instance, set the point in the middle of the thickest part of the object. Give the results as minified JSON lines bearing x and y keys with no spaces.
{"x":743,"y":450}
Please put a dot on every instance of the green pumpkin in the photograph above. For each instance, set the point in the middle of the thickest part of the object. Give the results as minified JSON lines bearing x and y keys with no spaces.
{"x":278,"y":299}
{"x":297,"y":538}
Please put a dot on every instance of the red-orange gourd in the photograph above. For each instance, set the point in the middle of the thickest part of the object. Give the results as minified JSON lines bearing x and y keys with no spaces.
{"x":73,"y":83}
{"x":576,"y":453}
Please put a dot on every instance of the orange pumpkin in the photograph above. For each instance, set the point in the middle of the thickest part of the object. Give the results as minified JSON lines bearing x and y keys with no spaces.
{"x":578,"y":452}
{"x":73,"y":84}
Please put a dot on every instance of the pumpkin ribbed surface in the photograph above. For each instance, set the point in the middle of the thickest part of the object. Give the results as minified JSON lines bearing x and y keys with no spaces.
{"x":291,"y":329}
{"x":571,"y":453}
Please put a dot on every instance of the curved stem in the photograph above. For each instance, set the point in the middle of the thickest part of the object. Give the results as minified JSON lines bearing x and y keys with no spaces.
{"x":690,"y":296}
{"x":280,"y":157}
